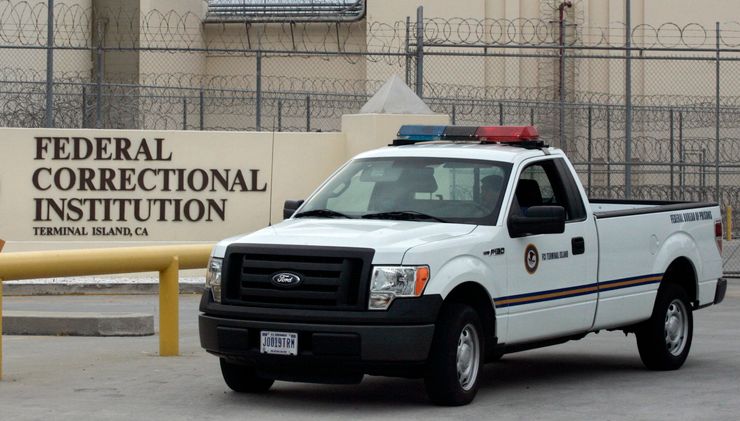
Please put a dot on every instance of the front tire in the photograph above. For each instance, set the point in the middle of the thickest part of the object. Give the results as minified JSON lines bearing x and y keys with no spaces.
{"x":664,"y":340}
{"x":243,"y":378}
{"x":456,"y":357}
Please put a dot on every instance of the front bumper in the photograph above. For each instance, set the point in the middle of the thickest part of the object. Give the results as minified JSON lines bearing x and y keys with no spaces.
{"x":333,"y":346}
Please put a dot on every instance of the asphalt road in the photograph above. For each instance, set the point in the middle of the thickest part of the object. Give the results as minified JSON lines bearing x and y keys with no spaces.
{"x":599,"y":377}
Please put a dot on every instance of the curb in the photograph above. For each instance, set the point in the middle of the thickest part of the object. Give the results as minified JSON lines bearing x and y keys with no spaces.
{"x":77,"y":324}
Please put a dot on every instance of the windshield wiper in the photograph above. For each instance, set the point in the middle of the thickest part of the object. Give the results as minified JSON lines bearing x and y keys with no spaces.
{"x":326,"y":213}
{"x":402,"y":215}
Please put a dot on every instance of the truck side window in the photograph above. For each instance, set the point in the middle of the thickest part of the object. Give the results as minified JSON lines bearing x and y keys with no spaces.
{"x":540,"y":184}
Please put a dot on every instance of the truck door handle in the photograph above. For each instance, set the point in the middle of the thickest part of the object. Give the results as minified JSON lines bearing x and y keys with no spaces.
{"x":578,"y":245}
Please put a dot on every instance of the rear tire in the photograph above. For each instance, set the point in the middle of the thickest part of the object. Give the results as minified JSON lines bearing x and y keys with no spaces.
{"x":243,"y":378}
{"x":664,"y":340}
{"x":456,"y":357}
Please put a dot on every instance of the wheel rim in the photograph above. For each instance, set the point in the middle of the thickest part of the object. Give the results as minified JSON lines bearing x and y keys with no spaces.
{"x":676,"y":327}
{"x":468,"y":356}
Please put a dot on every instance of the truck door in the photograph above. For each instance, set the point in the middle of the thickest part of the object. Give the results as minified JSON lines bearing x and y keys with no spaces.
{"x":552,"y":277}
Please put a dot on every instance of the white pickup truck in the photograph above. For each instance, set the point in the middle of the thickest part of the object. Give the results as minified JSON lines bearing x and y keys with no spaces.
{"x":446,"y":250}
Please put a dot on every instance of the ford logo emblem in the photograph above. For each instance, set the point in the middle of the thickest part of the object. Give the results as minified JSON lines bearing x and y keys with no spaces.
{"x":286,"y":279}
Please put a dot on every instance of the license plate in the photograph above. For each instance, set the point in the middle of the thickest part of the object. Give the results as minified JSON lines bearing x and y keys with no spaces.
{"x":278,"y":343}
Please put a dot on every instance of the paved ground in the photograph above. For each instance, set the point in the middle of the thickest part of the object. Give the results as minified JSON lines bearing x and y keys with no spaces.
{"x":600,"y":377}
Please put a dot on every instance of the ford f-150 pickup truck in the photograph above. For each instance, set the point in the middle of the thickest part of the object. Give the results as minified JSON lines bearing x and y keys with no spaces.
{"x":446,"y":250}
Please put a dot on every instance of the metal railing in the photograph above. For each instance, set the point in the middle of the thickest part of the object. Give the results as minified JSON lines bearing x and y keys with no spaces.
{"x":221,"y":11}
{"x":167,"y":260}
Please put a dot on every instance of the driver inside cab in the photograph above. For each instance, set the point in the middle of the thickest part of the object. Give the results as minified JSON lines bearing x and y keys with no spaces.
{"x":490,"y":190}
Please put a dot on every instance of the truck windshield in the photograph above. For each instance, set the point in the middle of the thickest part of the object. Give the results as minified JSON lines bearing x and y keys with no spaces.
{"x":412,"y":188}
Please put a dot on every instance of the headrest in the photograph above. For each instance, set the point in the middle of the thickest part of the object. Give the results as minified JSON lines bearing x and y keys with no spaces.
{"x":420,"y":180}
{"x":528,"y":193}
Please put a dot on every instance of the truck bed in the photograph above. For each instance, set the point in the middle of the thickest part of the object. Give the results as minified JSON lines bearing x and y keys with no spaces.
{"x":637,"y":240}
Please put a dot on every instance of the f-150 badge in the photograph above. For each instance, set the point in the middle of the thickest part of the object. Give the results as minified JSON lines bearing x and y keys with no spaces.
{"x":531,"y":259}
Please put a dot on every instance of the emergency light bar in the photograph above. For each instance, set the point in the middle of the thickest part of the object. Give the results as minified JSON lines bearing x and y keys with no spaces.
{"x":524,"y":136}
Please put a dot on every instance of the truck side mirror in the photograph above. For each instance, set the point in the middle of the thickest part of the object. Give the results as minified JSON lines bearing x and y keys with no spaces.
{"x":290,"y":207}
{"x":538,"y":220}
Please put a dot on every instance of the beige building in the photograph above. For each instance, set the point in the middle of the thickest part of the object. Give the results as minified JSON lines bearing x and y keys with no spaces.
{"x":496,"y":60}
{"x":187,"y":25}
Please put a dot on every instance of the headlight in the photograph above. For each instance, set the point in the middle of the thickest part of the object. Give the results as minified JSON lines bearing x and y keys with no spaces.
{"x":213,"y":278}
{"x":389,"y":282}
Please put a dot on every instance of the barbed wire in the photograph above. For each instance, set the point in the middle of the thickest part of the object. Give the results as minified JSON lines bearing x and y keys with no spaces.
{"x":23,"y":23}
{"x":465,"y":97}
{"x":29,"y":96}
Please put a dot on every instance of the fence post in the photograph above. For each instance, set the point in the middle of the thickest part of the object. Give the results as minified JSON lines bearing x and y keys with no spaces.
{"x":454,"y":114}
{"x":169,"y":309}
{"x":50,"y":64}
{"x":717,"y":122}
{"x":682,"y":169}
{"x":420,"y":51}
{"x":628,"y":103}
{"x":703,"y":179}
{"x":408,"y":49}
{"x":280,"y":115}
{"x":589,"y":148}
{"x":561,"y":76}
{"x":258,"y":99}
{"x":184,"y":113}
{"x":308,"y":113}
{"x":728,"y":227}
{"x":99,"y":102}
{"x":84,"y":106}
{"x":202,"y":104}
{"x":500,"y":113}
{"x":673,"y":159}
{"x":608,"y":152}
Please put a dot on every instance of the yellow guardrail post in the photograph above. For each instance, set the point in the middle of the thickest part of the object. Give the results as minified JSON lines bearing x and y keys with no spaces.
{"x":1,"y":328}
{"x":167,"y":260}
{"x":169,"y":309}
{"x":728,"y":225}
{"x":2,"y":244}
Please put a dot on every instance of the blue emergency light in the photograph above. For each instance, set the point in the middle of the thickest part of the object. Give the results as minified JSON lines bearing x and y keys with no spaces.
{"x":421,"y":133}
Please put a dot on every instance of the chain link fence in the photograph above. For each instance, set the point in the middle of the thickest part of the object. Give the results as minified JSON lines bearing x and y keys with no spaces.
{"x":674,"y":136}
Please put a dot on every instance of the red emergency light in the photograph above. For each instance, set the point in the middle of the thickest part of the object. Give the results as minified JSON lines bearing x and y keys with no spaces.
{"x":506,"y":134}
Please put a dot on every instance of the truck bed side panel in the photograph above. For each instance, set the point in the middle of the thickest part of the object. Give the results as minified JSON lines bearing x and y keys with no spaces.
{"x":637,"y":248}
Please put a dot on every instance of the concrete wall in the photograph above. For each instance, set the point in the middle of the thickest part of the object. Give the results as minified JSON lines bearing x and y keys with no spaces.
{"x":176,"y":209}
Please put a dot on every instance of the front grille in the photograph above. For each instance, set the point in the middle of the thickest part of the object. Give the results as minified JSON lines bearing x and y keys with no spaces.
{"x":332,"y":277}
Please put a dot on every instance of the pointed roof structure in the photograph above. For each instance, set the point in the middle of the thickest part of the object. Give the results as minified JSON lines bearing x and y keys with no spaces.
{"x":394,"y":97}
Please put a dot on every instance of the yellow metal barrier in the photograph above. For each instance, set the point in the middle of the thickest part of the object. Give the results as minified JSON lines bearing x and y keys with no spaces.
{"x":167,"y":260}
